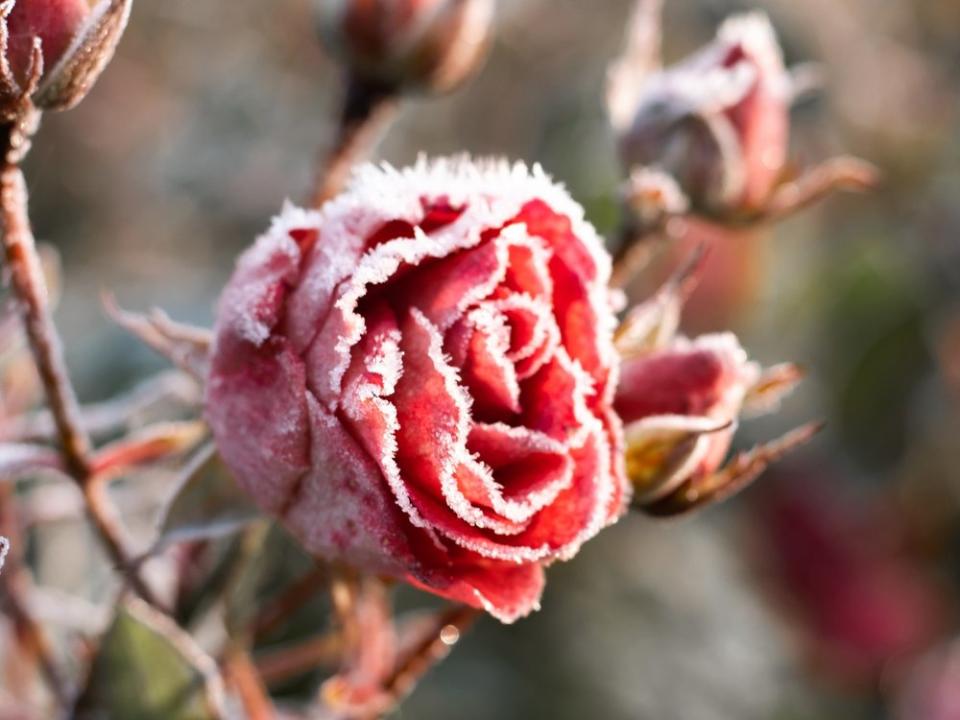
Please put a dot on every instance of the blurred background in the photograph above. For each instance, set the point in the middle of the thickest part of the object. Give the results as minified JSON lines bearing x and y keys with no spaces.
{"x":829,"y":590}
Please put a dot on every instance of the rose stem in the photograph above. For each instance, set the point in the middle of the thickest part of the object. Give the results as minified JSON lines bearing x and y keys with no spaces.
{"x":28,"y":283}
{"x":240,"y":672}
{"x":15,"y":582}
{"x":446,"y":630}
{"x":367,"y":111}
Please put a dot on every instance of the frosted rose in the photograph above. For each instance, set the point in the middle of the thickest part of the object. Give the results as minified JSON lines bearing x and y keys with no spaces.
{"x":55,"y":22}
{"x":418,"y":379}
{"x":679,"y":406}
{"x":718,"y":121}
{"x":421,"y":44}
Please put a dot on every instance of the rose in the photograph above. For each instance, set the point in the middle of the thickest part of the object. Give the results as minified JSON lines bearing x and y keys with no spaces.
{"x":418,"y":379}
{"x":74,"y":41}
{"x":55,"y":22}
{"x":401,"y":44}
{"x":718,"y":121}
{"x":679,"y":406}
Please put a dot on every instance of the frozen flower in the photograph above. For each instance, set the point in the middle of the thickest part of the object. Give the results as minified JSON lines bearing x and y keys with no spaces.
{"x":418,"y":379}
{"x":718,"y":121}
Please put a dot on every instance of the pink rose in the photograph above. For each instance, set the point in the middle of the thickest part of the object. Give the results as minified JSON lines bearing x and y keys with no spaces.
{"x":718,"y":121}
{"x":679,"y":406}
{"x":422,"y":44}
{"x":418,"y":379}
{"x":55,"y":22}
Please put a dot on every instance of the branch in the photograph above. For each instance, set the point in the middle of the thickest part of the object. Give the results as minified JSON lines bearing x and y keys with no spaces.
{"x":15,"y":584}
{"x":26,"y":275}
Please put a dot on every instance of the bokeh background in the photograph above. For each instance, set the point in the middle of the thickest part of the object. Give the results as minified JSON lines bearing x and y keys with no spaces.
{"x":829,"y":590}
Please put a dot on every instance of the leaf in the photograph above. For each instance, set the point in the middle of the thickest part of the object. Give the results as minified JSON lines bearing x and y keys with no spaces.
{"x":148,"y":668}
{"x":206,"y":504}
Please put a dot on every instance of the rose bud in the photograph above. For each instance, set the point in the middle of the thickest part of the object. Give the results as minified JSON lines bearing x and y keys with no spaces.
{"x":54,"y":50}
{"x":718,"y":121}
{"x":418,"y":379}
{"x":429,"y":45}
{"x":680,"y":406}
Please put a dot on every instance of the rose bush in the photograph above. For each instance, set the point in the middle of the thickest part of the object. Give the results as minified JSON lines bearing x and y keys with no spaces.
{"x":418,"y":379}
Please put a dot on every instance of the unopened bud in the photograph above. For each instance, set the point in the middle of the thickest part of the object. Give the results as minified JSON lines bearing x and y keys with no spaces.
{"x":718,"y":122}
{"x":54,"y":50}
{"x":426,"y":45}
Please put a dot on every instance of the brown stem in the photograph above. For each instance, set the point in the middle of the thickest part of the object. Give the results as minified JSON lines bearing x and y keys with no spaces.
{"x":292,"y":660}
{"x":26,"y":276}
{"x":367,"y":111}
{"x":241,"y":674}
{"x":15,"y":586}
{"x":434,"y":647}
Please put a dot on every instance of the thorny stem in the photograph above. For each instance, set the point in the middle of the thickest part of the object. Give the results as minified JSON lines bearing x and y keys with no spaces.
{"x":367,"y":111}
{"x":27,"y":279}
{"x":14,"y":582}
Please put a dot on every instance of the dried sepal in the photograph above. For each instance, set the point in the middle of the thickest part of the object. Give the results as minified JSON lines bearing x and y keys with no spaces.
{"x":641,"y":57}
{"x":186,"y":346}
{"x":652,"y":325}
{"x":69,"y":81}
{"x":661,"y":452}
{"x":841,"y":173}
{"x":733,"y":477}
{"x":774,"y":383}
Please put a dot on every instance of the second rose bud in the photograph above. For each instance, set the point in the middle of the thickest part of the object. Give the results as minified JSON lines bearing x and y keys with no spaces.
{"x":403,"y":45}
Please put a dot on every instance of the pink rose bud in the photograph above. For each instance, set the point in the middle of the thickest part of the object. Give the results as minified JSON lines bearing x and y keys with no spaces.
{"x":718,"y":121}
{"x":431,"y":45}
{"x":75,"y":42}
{"x":55,"y":22}
{"x":418,"y":379}
{"x":679,"y":407}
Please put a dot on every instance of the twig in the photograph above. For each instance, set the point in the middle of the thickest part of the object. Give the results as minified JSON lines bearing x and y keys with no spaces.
{"x":367,"y":111}
{"x":112,"y":415}
{"x":28,"y":283}
{"x":26,"y":275}
{"x":241,"y":674}
{"x":291,"y":660}
{"x":15,"y":583}
{"x":432,"y":648}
